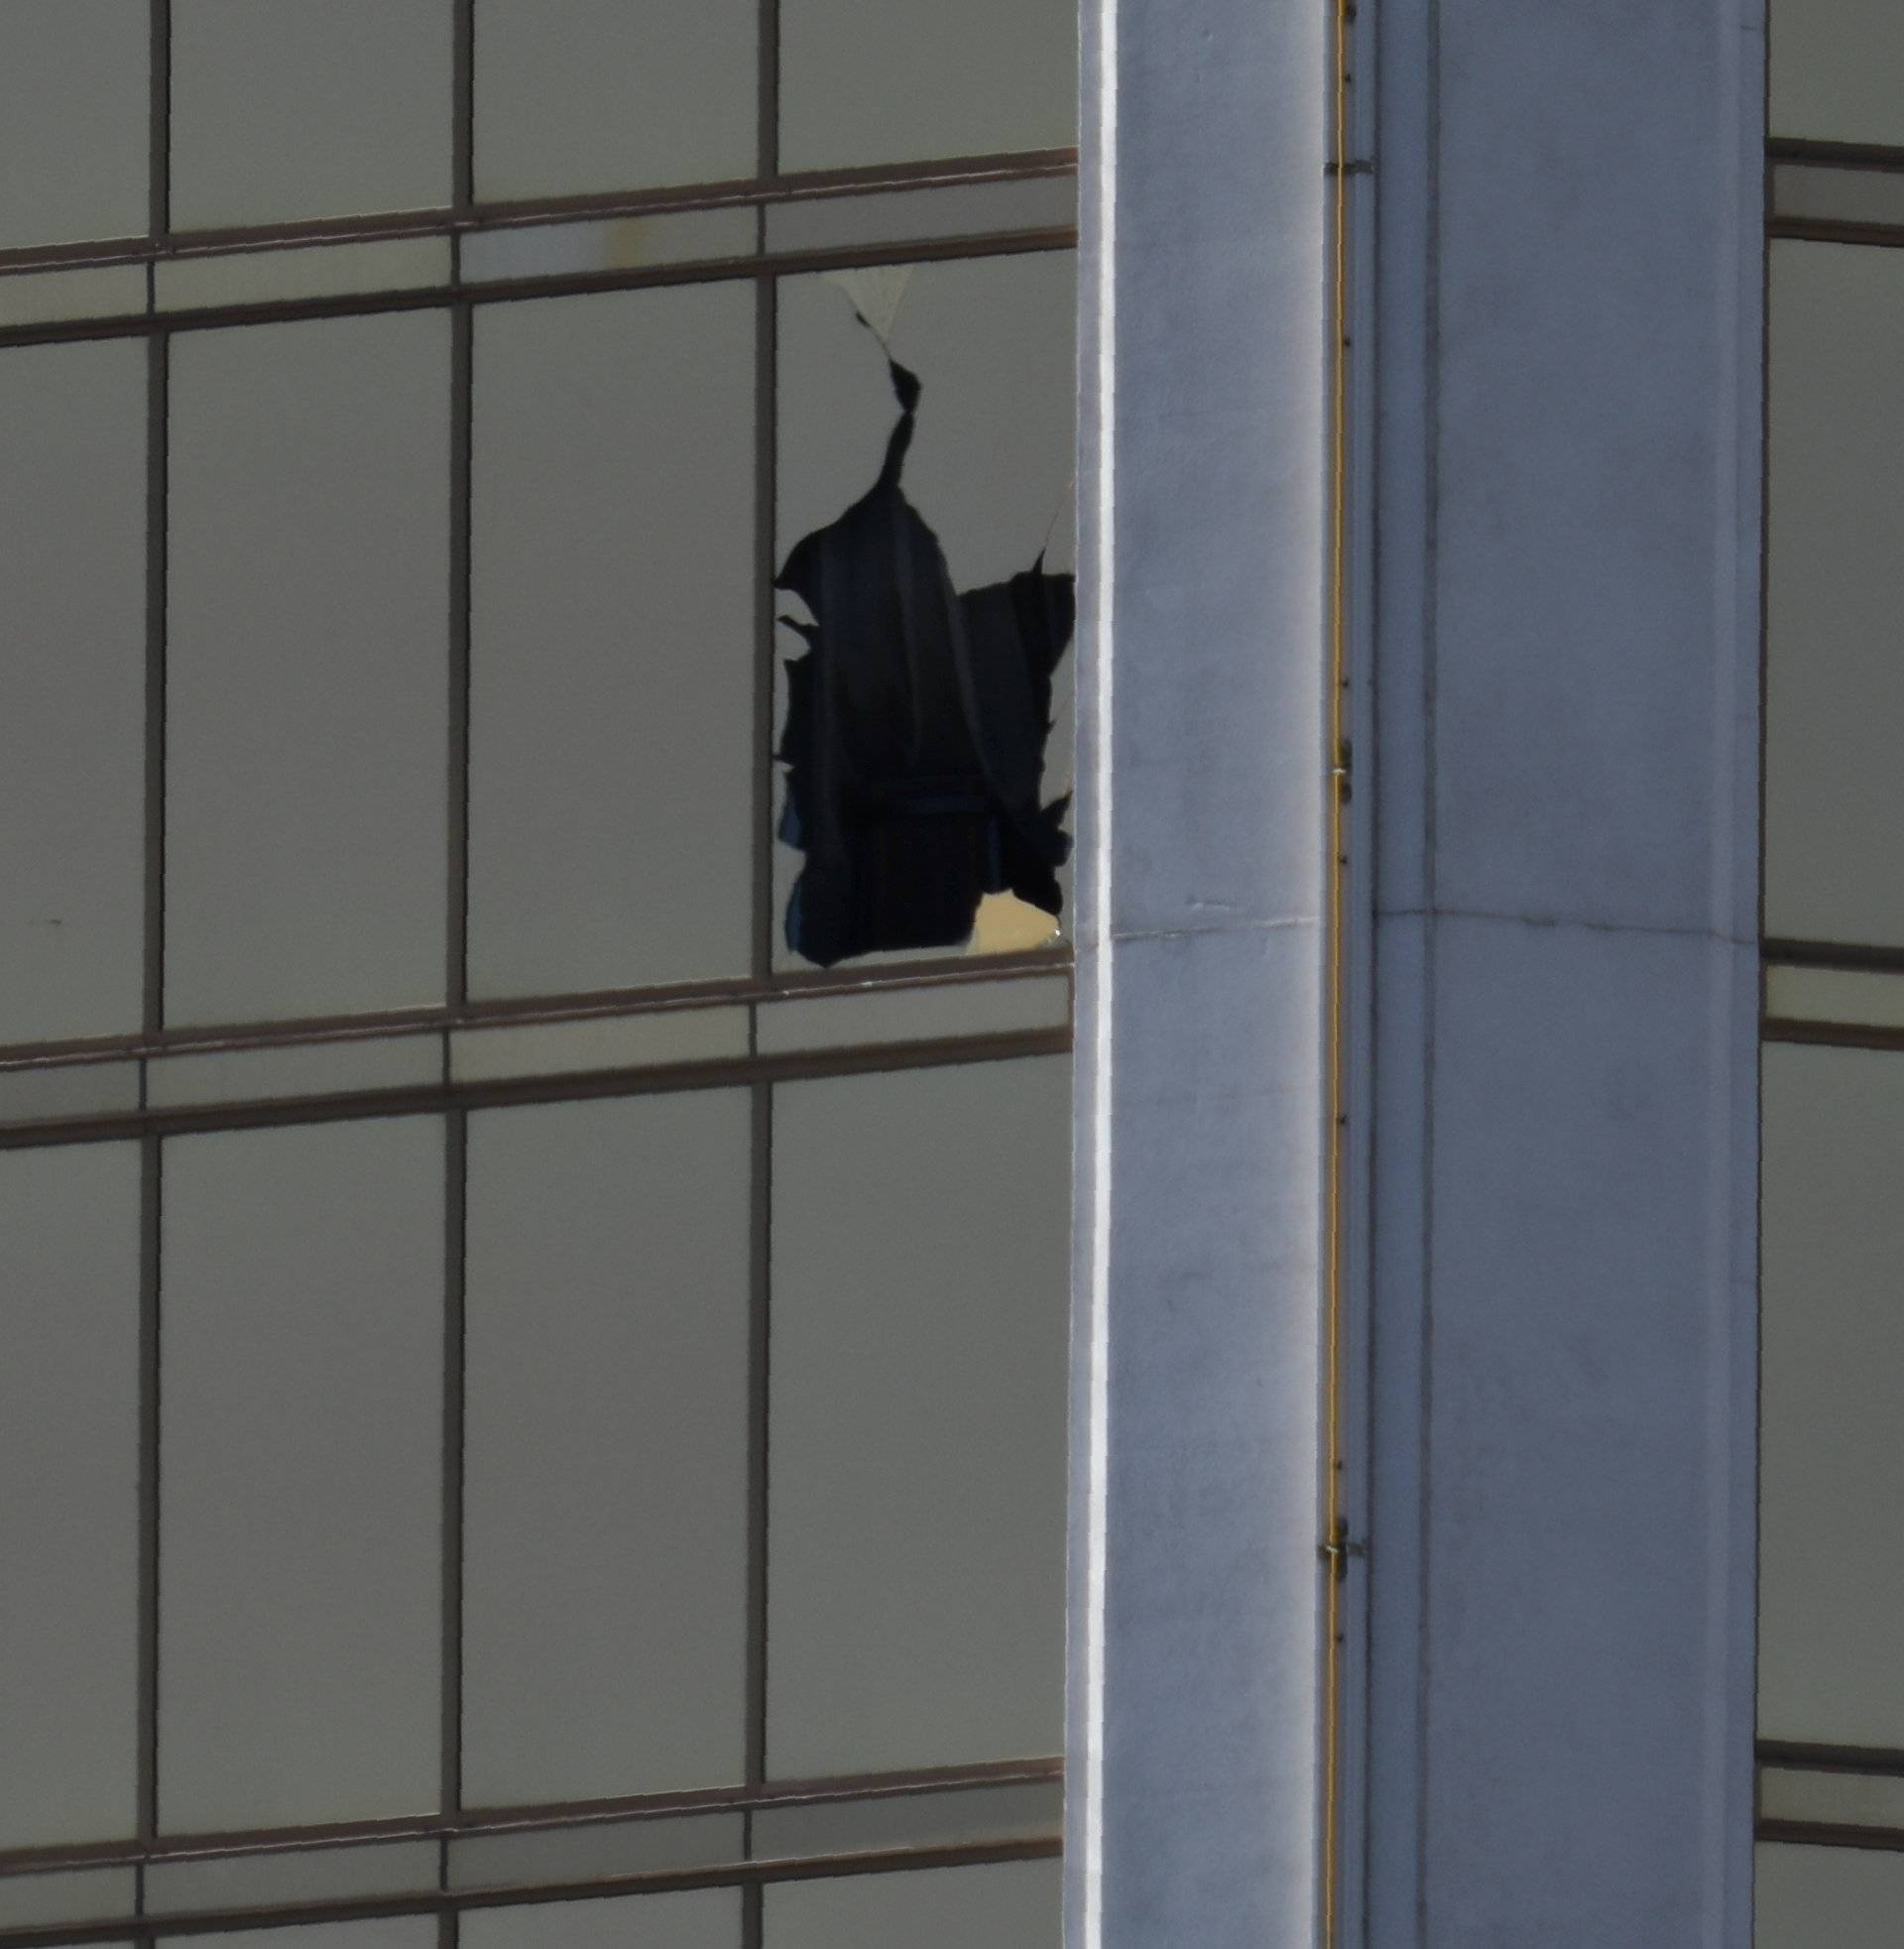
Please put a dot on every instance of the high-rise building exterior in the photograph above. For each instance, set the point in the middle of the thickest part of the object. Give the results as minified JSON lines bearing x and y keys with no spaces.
{"x":534,"y":1100}
{"x":702,"y":698}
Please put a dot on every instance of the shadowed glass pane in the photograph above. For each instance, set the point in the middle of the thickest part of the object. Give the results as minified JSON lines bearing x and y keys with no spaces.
{"x":916,"y":1554}
{"x":75,"y":136}
{"x":580,"y":96}
{"x":68,"y":1520}
{"x":1835,"y":70}
{"x":1014,"y":1904}
{"x":911,"y":80}
{"x":1831,"y":1547}
{"x":302,"y":1336}
{"x":606,"y":1498}
{"x":285,"y":109}
{"x":72,"y":690}
{"x":612,"y":657}
{"x":308,"y":669}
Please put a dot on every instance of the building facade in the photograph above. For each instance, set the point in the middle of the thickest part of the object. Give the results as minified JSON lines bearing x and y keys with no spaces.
{"x":568,"y":995}
{"x":534,"y":1406}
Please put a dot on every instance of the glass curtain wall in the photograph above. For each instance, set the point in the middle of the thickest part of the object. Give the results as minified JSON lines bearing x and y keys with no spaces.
{"x":534,"y":1105}
{"x":1830,"y":1864}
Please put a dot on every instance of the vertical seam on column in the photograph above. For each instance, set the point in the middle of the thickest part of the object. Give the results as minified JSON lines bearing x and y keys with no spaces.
{"x":1104,"y":578}
{"x":1431,"y":505}
{"x":1335,"y":1540}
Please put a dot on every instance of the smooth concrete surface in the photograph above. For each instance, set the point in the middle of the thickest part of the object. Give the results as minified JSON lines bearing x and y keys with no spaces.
{"x":1195,"y":1580}
{"x":1556,"y":372}
{"x":1559,"y":1740}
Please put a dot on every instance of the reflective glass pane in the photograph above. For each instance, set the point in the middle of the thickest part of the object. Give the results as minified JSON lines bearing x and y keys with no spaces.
{"x":612,"y":657}
{"x":294,"y":1876}
{"x":1831,"y":1470}
{"x":75,"y":132}
{"x":925,"y":716}
{"x":910,"y":1820}
{"x":707,"y":1918}
{"x":387,"y":1932}
{"x":597,"y":1851}
{"x":580,"y":96}
{"x":1837,"y":69}
{"x":285,"y":109}
{"x":1835,"y":684}
{"x":72,"y":690}
{"x":910,"y":79}
{"x":606,"y":1496}
{"x":1015,"y":1904}
{"x":917,"y":1451}
{"x":308,"y":669}
{"x":68,"y":1895}
{"x":1828,"y":1899}
{"x":69,"y":1516}
{"x":302,"y":1337}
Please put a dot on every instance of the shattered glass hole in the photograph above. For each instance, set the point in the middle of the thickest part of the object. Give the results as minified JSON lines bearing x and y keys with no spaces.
{"x":916,"y":725}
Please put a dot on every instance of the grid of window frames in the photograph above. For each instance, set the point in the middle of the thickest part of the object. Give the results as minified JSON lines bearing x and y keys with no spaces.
{"x":1831,"y":1859}
{"x":533,"y":1414}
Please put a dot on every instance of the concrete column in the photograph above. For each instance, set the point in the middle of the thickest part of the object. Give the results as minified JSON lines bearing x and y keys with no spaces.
{"x":1195,"y":1641}
{"x":1561,"y":428}
{"x":1566,"y":677}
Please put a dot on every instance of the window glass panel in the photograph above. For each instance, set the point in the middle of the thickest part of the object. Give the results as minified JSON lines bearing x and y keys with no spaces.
{"x":282,"y":109}
{"x":1835,"y":70}
{"x":68,"y":1520}
{"x":389,"y":1932}
{"x":84,"y":1895}
{"x":597,"y":1043}
{"x":917,"y":1556}
{"x":34,"y":298}
{"x":914,"y":1015}
{"x":606,"y":1494}
{"x":300,"y":1474}
{"x":911,"y":80}
{"x":612,"y":659}
{"x":1830,"y":1797}
{"x":608,"y":243}
{"x":910,"y":1820}
{"x":1835,"y":684}
{"x":315,"y":1070}
{"x":1813,"y":193}
{"x":311,"y":271}
{"x":72,"y":690}
{"x":1843,"y":1898}
{"x":299,"y":1874}
{"x":579,"y":95}
{"x":1015,"y":1903}
{"x":989,"y":473}
{"x":308,"y":669}
{"x":75,"y":132}
{"x":969,"y":209}
{"x":597,"y":1851}
{"x":707,"y":1918}
{"x":1832,"y":1569}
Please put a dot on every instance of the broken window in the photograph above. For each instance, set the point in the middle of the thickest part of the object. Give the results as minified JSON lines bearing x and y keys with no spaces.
{"x":923,"y":803}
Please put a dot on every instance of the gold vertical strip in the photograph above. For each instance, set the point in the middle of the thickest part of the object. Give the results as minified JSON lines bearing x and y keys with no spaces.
{"x":1335,"y":1538}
